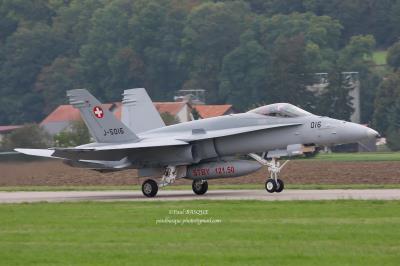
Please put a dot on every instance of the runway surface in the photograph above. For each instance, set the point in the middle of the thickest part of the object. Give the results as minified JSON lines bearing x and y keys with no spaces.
{"x":178,"y":195}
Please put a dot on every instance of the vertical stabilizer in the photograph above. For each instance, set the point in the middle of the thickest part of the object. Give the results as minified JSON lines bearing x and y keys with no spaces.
{"x":103,"y":125}
{"x":138,"y":111}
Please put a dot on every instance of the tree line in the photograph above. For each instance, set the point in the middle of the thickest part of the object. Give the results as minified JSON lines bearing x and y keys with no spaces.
{"x":246,"y":53}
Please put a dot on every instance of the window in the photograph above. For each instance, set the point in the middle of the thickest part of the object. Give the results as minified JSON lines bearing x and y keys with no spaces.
{"x":280,"y":110}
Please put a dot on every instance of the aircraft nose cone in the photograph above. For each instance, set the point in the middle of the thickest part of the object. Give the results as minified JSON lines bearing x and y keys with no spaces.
{"x":372,"y":133}
{"x":352,"y":132}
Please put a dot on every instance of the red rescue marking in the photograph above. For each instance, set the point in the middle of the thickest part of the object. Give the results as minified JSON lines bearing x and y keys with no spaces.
{"x":201,"y":172}
{"x":225,"y":171}
{"x":98,"y":112}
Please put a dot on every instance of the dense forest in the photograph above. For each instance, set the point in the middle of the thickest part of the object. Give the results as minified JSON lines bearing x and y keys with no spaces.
{"x":246,"y":52}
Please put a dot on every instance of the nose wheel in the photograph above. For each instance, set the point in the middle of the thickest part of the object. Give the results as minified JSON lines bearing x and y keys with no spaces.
{"x":274,"y":186}
{"x":273,"y":183}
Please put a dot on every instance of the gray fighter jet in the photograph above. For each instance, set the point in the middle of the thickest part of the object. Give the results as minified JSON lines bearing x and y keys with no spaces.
{"x":198,"y":150}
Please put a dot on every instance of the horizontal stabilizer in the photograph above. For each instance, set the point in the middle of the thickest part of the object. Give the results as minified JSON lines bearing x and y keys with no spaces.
{"x":108,"y":151}
{"x":113,"y":151}
{"x":100,"y":165}
{"x":37,"y":152}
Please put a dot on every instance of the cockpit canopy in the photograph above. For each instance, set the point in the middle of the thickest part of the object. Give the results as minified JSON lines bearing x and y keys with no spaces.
{"x":280,"y":110}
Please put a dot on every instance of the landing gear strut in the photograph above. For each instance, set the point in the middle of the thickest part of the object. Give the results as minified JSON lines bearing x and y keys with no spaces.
{"x":169,"y":176}
{"x":200,"y":187}
{"x":150,"y":187}
{"x":273,"y":183}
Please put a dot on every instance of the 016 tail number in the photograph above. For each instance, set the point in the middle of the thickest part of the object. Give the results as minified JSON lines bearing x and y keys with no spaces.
{"x":316,"y":124}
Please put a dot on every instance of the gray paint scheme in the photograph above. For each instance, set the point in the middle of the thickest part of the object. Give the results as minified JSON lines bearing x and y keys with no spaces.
{"x":206,"y":140}
{"x":235,"y":168}
{"x":138,"y":111}
{"x":100,"y":127}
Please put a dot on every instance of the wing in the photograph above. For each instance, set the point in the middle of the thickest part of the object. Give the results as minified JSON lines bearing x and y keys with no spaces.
{"x":202,"y":134}
{"x":141,"y":145}
{"x":104,"y":152}
{"x":113,"y":152}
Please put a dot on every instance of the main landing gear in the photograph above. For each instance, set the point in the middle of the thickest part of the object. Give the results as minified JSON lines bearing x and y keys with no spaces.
{"x":200,"y":187}
{"x":273,"y":183}
{"x":150,"y":187}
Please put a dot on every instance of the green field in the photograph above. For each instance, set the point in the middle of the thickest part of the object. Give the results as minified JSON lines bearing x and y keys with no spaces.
{"x":359,"y":156}
{"x":243,"y":233}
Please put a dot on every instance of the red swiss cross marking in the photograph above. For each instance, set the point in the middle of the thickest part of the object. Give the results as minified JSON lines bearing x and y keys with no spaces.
{"x":98,"y":112}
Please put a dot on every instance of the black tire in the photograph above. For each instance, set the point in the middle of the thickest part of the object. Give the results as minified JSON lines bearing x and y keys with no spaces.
{"x":150,"y":188}
{"x":280,"y":185}
{"x":199,"y":187}
{"x":270,"y":185}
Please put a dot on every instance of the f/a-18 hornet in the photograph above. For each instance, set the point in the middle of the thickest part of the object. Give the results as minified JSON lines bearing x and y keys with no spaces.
{"x":198,"y":150}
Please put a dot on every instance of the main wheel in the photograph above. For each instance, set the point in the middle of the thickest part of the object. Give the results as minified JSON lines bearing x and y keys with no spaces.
{"x":270,"y":185}
{"x":150,"y":188}
{"x":199,"y":187}
{"x":280,"y":185}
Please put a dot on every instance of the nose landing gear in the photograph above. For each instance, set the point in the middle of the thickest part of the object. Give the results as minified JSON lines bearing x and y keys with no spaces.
{"x":273,"y":183}
{"x":274,"y":186}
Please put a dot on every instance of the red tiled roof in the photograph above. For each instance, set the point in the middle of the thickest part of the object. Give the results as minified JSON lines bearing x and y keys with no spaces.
{"x":206,"y":111}
{"x":63,"y":113}
{"x":169,"y":107}
{"x":9,"y":128}
{"x":118,"y":110}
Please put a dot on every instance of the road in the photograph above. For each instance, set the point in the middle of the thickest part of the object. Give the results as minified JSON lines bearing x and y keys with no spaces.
{"x":171,"y":195}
